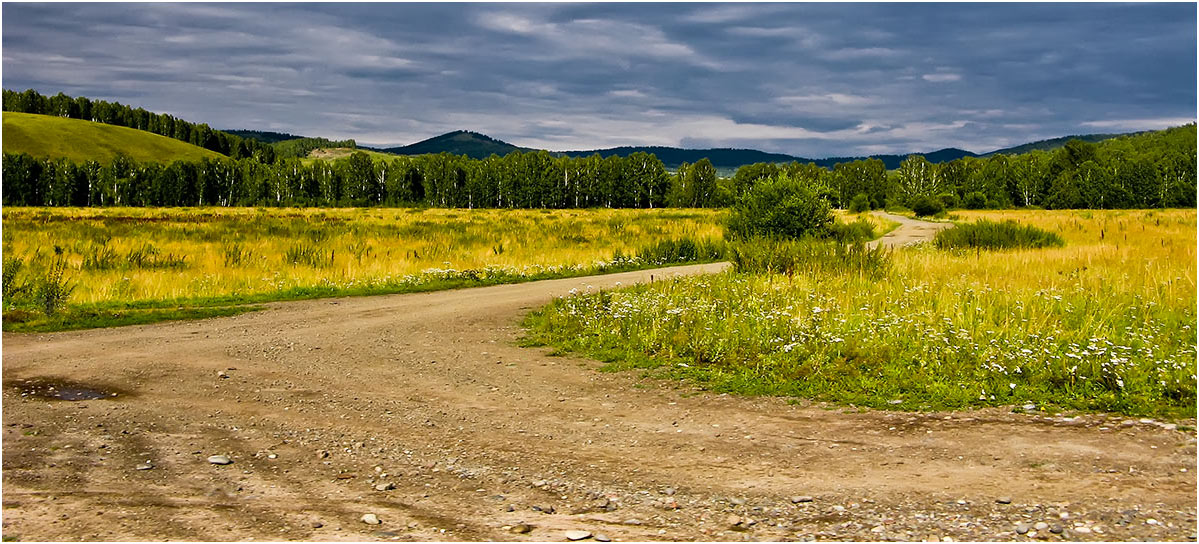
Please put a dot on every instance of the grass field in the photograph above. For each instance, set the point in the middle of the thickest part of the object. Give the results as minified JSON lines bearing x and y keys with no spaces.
{"x":135,"y":262}
{"x":78,"y":140}
{"x":335,"y":153}
{"x":1106,"y":322}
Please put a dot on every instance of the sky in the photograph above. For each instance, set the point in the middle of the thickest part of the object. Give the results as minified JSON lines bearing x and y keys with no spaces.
{"x":812,"y":80}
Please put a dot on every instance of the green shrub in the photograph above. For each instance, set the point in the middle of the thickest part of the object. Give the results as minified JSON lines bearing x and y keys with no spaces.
{"x":949,"y":200}
{"x":975,"y":201}
{"x":986,"y":234}
{"x":682,"y":251}
{"x":859,"y":204}
{"x":925,"y":206}
{"x":808,"y":256}
{"x":858,"y":231}
{"x":779,"y":207}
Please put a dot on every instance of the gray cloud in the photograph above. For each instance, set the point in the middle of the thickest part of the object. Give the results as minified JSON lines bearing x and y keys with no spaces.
{"x":807,"y":79}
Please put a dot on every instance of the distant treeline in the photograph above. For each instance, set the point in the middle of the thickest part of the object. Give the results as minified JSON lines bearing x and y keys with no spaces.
{"x":517,"y":180}
{"x":115,"y":113}
{"x":1146,"y":170}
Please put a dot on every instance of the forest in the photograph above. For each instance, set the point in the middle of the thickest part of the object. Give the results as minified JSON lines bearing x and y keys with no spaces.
{"x":1147,"y":170}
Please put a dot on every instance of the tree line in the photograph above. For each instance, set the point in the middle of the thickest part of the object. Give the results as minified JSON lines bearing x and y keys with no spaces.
{"x":1149,"y":170}
{"x":517,"y":180}
{"x":115,"y":113}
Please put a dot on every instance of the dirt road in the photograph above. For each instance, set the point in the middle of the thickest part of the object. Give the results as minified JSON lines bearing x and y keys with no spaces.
{"x":421,"y":410}
{"x":909,"y":231}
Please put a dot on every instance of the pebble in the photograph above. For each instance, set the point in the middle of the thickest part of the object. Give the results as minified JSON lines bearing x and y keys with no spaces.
{"x":801,"y":498}
{"x":895,"y":401}
{"x":577,"y":535}
{"x":220,"y":460}
{"x":1029,"y":407}
{"x":272,"y":456}
{"x":371,"y":519}
{"x":603,"y":537}
{"x":1022,"y":528}
{"x":633,"y":521}
{"x":521,"y":528}
{"x":144,"y":466}
{"x":737,"y":501}
{"x":385,"y":487}
{"x":1082,"y":530}
{"x":1041,"y":526}
{"x":1056,"y":529}
{"x":1004,"y":500}
{"x":669,"y":491}
{"x":317,"y":525}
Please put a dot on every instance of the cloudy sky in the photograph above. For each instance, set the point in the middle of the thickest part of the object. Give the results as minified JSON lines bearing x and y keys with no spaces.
{"x":814,"y":80}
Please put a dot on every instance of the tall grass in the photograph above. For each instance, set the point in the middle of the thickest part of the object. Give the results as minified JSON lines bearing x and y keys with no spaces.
{"x":985,"y":234}
{"x":809,"y":256}
{"x":1106,"y":322}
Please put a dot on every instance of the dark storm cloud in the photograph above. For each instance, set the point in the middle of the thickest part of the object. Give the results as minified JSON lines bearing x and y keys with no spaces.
{"x":808,"y":79}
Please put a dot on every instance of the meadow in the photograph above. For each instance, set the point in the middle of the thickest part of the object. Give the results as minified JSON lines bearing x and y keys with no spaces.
{"x":1104,"y":322}
{"x":133,"y":265}
{"x":78,"y":140}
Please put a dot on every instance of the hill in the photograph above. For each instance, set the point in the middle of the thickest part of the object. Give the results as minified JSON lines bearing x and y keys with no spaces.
{"x":79,"y":140}
{"x":672,"y":157}
{"x":459,"y":142}
{"x":1054,"y":143}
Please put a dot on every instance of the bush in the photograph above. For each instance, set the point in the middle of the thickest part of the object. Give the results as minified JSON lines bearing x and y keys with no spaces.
{"x":975,"y":201}
{"x":925,"y":206}
{"x":808,"y":256}
{"x":859,"y":204}
{"x":858,"y":231}
{"x":949,"y":200}
{"x":780,"y":207}
{"x":984,"y":234}
{"x":682,"y":251}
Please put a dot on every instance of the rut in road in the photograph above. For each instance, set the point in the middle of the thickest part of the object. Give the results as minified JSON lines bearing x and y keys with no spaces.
{"x":423,"y":410}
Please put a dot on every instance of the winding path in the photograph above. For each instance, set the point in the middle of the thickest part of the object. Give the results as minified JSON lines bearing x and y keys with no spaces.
{"x":910,"y":231}
{"x":423,"y":410}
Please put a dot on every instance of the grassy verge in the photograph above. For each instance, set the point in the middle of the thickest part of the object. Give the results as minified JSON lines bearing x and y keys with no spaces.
{"x":93,"y":318}
{"x":1106,"y":323}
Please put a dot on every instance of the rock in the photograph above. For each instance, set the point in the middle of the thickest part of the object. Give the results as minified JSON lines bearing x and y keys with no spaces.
{"x":801,"y":498}
{"x":322,"y":454}
{"x":603,"y":537}
{"x":371,"y":519}
{"x":544,"y":509}
{"x":1022,"y":528}
{"x":1041,"y":526}
{"x":144,"y":466}
{"x":633,"y":521}
{"x":1029,"y":407}
{"x":385,"y":486}
{"x":734,"y":521}
{"x":509,"y":508}
{"x":577,"y":535}
{"x":221,"y":374}
{"x":895,"y":401}
{"x":1056,"y":529}
{"x":737,"y":501}
{"x":272,"y":456}
{"x":669,"y":491}
{"x":317,"y":525}
{"x":521,"y":528}
{"x":1004,"y":500}
{"x":220,"y":460}
{"x":1082,"y":530}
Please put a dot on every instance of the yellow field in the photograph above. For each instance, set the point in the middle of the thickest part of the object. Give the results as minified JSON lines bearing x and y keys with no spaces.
{"x":120,"y":255}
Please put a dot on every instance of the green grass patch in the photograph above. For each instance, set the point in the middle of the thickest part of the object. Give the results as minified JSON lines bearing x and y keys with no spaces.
{"x":92,"y":318}
{"x":984,"y":234}
{"x":46,"y":136}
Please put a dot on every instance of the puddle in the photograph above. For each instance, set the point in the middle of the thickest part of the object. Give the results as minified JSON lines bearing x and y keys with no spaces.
{"x":57,"y":389}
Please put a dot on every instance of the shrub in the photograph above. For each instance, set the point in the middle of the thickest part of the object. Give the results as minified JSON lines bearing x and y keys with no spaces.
{"x":858,"y":231}
{"x":925,"y":206}
{"x":779,"y":207}
{"x":949,"y":200}
{"x":52,"y":289}
{"x":859,"y":204}
{"x":986,"y":234}
{"x":808,"y":256}
{"x":682,"y":251}
{"x":13,"y":288}
{"x":975,"y":201}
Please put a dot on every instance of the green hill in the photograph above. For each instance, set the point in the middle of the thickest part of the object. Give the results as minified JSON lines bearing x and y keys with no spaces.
{"x":459,"y":142}
{"x":79,"y":140}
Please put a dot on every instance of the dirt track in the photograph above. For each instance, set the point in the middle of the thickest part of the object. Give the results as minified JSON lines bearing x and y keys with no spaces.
{"x":321,"y":401}
{"x":909,"y":231}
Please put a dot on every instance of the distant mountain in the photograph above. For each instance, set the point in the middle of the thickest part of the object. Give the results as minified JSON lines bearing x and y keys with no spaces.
{"x":459,"y":142}
{"x":263,"y":136}
{"x":1054,"y":143}
{"x":893,"y":161}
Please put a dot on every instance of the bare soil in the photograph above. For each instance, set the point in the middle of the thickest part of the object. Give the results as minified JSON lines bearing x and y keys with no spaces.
{"x":910,"y":231}
{"x":423,"y":410}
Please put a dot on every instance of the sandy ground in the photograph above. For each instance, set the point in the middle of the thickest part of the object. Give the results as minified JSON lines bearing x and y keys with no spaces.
{"x":422,"y":410}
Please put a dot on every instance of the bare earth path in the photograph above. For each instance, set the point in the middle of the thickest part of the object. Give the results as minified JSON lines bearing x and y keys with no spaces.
{"x":909,"y":231}
{"x":422,"y":410}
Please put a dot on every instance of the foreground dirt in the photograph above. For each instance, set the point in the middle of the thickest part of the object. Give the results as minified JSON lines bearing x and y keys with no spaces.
{"x":422,"y":410}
